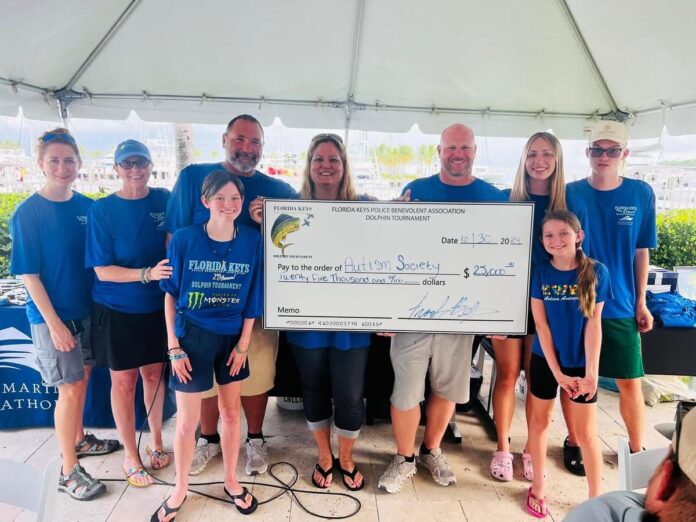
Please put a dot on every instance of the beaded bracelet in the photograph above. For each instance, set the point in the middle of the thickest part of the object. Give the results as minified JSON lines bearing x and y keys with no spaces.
{"x":145,"y":275}
{"x":178,"y":356}
{"x":169,"y":350}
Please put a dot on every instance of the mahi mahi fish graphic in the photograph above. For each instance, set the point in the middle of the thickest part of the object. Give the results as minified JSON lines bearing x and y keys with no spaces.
{"x":284,"y":225}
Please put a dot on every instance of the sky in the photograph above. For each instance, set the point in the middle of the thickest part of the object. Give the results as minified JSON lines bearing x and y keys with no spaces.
{"x":104,"y":135}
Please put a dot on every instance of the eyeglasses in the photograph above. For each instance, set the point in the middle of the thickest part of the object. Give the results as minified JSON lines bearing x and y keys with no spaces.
{"x":612,"y":152}
{"x":327,"y":136}
{"x":140,"y":163}
{"x":60,"y":137}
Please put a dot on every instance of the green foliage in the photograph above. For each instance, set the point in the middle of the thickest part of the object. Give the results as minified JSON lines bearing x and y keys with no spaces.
{"x":676,"y":239}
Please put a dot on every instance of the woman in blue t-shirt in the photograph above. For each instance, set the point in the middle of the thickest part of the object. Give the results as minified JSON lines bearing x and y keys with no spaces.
{"x":331,"y":364}
{"x":126,"y":247}
{"x":211,"y":301}
{"x":48,"y":251}
{"x":540,"y":179}
{"x":567,"y":296}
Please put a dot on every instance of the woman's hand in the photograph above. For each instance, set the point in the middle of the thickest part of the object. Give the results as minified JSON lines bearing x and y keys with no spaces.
{"x":587,"y":386}
{"x":62,"y":337}
{"x":161,"y":271}
{"x":256,"y":210}
{"x":569,"y":384}
{"x":236,"y":361}
{"x":181,"y":367}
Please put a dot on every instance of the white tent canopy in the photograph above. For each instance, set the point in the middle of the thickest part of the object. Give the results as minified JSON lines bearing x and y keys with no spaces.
{"x":505,"y":67}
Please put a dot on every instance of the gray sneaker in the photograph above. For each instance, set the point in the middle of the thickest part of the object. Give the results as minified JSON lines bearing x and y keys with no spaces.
{"x":438,"y":467}
{"x":205,"y":451}
{"x":396,"y":474}
{"x":80,"y":485}
{"x":257,"y":456}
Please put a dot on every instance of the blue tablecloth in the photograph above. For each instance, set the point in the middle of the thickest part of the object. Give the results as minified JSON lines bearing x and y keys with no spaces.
{"x":26,"y":402}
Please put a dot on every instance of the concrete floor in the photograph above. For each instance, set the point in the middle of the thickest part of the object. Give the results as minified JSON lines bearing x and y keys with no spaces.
{"x":475,"y":497}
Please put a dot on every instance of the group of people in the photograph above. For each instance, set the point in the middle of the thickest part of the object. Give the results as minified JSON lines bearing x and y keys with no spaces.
{"x":143,"y":277}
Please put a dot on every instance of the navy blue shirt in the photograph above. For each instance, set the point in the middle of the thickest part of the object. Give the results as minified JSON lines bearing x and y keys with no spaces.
{"x":433,"y":189}
{"x":616,"y":223}
{"x":48,"y":239}
{"x":185,"y":207}
{"x":559,"y":291}
{"x":128,"y":233}
{"x":216,"y":285}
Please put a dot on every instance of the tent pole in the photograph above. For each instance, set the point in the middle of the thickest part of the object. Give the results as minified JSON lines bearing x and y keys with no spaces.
{"x":586,"y":51}
{"x":357,"y":32}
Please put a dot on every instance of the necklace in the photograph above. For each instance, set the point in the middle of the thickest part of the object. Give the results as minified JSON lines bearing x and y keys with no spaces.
{"x":211,"y":242}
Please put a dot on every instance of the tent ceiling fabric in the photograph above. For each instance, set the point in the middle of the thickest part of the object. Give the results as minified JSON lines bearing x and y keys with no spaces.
{"x":505,"y":68}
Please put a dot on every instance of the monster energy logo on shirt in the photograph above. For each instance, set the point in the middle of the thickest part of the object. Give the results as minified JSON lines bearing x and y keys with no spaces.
{"x":195,"y":300}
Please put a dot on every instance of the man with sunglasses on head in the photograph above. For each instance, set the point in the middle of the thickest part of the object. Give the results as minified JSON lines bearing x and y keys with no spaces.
{"x":445,"y":357}
{"x":618,"y":216}
{"x":671,"y":493}
{"x":243,"y":143}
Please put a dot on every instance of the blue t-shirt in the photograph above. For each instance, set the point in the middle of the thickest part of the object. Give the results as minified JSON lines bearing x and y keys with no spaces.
{"x":48,"y":239}
{"x":559,"y":291}
{"x":616,"y":223}
{"x":128,"y":233}
{"x":185,"y":207}
{"x":433,"y":189}
{"x":216,"y":284}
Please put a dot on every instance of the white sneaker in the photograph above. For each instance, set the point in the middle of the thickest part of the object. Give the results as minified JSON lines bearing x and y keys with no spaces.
{"x":205,"y":451}
{"x":257,"y":456}
{"x":398,"y":471}
{"x":437,"y":465}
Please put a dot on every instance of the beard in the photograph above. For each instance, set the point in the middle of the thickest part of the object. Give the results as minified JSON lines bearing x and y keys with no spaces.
{"x":244,"y":162}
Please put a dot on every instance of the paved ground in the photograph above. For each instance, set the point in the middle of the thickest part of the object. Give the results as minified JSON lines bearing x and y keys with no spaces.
{"x":475,"y":497}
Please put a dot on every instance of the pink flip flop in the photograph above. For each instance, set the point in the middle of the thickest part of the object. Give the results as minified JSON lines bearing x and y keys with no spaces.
{"x":501,"y":465}
{"x":541,"y":503}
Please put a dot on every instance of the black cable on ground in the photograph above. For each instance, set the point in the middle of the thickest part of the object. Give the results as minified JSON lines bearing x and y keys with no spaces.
{"x":282,"y":486}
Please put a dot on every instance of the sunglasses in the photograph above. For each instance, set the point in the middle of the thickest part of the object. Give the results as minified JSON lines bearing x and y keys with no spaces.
{"x":328,"y":136}
{"x":612,"y":152}
{"x":59,"y":137}
{"x":140,"y":163}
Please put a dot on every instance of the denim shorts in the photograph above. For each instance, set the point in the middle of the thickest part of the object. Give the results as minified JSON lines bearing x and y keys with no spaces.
{"x":208,"y":353}
{"x":56,"y":367}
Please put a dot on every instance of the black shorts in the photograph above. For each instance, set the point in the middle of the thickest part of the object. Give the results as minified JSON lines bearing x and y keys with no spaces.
{"x":124,"y":341}
{"x":208,"y":353}
{"x":543,"y":384}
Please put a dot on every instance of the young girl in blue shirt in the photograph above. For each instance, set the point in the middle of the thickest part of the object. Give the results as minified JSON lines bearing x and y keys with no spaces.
{"x":567,"y":296}
{"x":211,"y":301}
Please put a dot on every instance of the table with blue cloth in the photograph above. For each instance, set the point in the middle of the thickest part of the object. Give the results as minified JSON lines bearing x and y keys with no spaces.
{"x":26,"y":402}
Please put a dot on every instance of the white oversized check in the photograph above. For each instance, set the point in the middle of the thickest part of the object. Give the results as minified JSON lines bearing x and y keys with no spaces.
{"x":397,"y":267}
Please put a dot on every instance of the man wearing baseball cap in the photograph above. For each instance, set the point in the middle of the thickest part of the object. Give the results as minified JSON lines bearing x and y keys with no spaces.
{"x":618,"y":217}
{"x":671,"y":493}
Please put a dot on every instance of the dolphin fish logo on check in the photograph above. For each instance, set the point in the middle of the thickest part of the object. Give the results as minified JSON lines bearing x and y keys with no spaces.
{"x":284,"y":224}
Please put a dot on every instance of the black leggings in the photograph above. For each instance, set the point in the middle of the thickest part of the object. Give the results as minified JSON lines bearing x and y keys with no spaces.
{"x":329,"y":372}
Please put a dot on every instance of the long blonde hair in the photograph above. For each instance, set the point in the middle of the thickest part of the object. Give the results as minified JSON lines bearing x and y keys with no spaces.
{"x":346,"y":191}
{"x":587,"y":278}
{"x":520,"y":187}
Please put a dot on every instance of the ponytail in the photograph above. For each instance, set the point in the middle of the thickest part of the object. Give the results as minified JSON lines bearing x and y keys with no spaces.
{"x":587,"y":283}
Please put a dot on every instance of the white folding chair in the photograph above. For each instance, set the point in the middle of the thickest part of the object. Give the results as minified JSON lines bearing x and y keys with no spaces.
{"x":635,"y":469}
{"x":30,"y":488}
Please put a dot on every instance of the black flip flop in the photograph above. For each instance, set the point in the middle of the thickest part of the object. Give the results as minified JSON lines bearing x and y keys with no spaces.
{"x":351,"y":475}
{"x":572,"y":459}
{"x":242,"y":498}
{"x":324,"y":473}
{"x":167,"y":511}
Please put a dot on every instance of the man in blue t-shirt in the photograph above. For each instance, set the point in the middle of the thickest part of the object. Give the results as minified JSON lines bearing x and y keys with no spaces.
{"x":447,"y":357}
{"x":243,"y":144}
{"x":618,"y":217}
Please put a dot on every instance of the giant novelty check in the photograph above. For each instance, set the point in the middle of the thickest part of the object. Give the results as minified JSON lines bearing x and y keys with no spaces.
{"x":397,"y":267}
